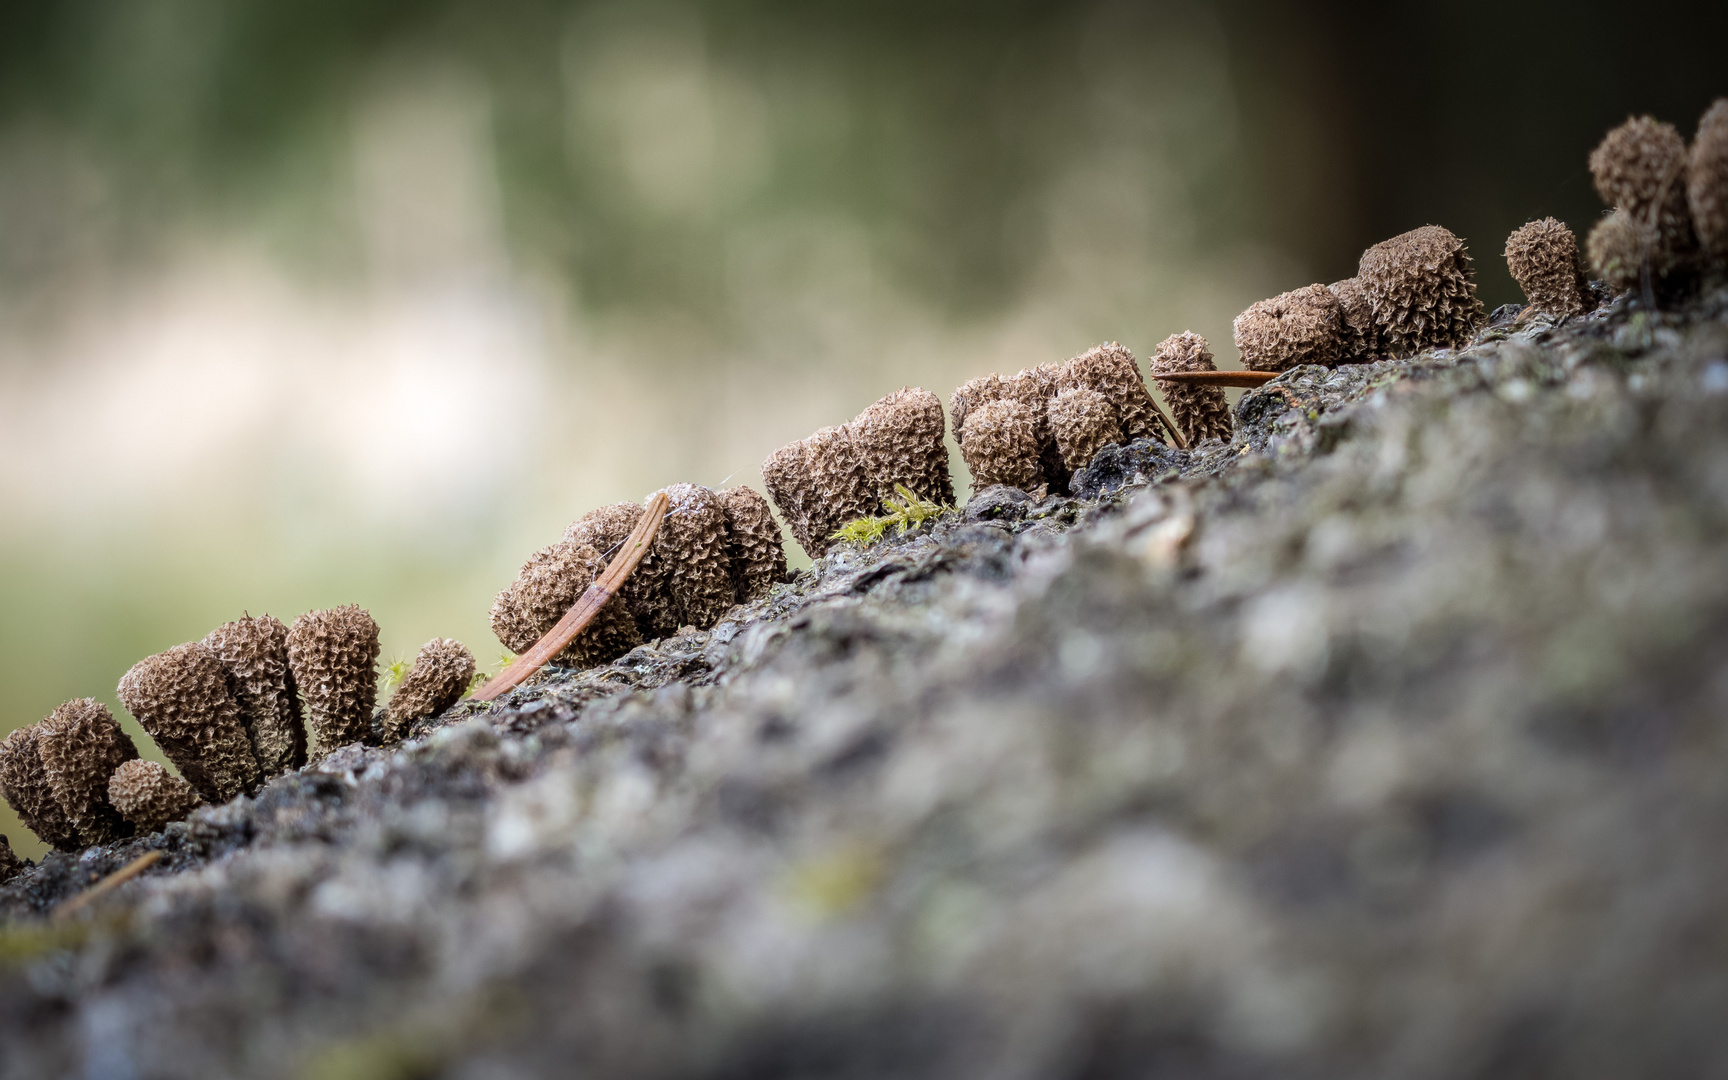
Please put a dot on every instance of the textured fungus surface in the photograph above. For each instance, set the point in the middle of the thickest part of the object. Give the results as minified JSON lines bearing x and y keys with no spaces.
{"x":1707,"y":182}
{"x":181,"y":698}
{"x":1619,"y":247}
{"x":440,"y":676}
{"x":900,"y":441}
{"x":333,"y":655}
{"x":149,"y":796}
{"x":754,"y":546}
{"x":24,"y":783}
{"x":545,"y":589}
{"x":1110,"y":370}
{"x":1384,"y":741}
{"x":1361,"y":342}
{"x":1421,"y":290}
{"x":1640,"y":167}
{"x":1543,"y":259}
{"x":691,"y":549}
{"x":1082,"y":421}
{"x":1200,"y":411}
{"x":254,"y":653}
{"x":81,"y":746}
{"x":1000,"y":445}
{"x":1303,"y":326}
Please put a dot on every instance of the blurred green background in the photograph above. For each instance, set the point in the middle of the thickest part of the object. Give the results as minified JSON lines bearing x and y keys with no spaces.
{"x":313,"y":303}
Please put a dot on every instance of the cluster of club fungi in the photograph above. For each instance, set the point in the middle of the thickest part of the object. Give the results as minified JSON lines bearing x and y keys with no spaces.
{"x":255,"y":697}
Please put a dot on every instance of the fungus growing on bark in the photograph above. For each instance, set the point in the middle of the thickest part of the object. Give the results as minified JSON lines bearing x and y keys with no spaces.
{"x":1640,"y":167}
{"x":899,"y":439}
{"x":333,"y":655}
{"x":1543,"y":258}
{"x":1421,"y":290}
{"x":1082,"y":421}
{"x":603,"y":530}
{"x":1360,"y":342}
{"x":549,"y":583}
{"x":1111,"y":370}
{"x":181,"y":698}
{"x":254,"y":653}
{"x":1201,"y":411}
{"x":25,"y":784}
{"x":1707,"y":182}
{"x":1620,"y":247}
{"x":10,"y":864}
{"x":441,"y":673}
{"x":1303,"y":326}
{"x":1000,"y":444}
{"x":81,"y":746}
{"x":754,"y":547}
{"x":149,"y":796}
{"x":695,"y":574}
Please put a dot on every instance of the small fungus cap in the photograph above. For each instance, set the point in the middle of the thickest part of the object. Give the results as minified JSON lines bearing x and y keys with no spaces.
{"x":1082,"y":421}
{"x":1000,"y":445}
{"x":1303,"y":326}
{"x":254,"y":653}
{"x":442,"y":672}
{"x":755,"y":549}
{"x":1421,"y":290}
{"x":549,"y":584}
{"x":333,"y":654}
{"x":149,"y":796}
{"x":1707,"y":181}
{"x":1619,"y":247}
{"x":181,"y":698}
{"x":1202,"y":412}
{"x":81,"y":746}
{"x":1543,"y":258}
{"x":24,"y":783}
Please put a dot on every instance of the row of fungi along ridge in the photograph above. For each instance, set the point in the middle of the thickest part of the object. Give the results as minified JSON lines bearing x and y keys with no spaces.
{"x":714,"y":550}
{"x":242,"y":705}
{"x":1667,"y":229}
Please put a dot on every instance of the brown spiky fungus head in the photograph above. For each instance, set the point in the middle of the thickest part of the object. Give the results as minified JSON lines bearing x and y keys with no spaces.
{"x":1422,"y":291}
{"x":442,"y":671}
{"x":1000,"y":444}
{"x":1620,"y":247}
{"x":1200,"y":411}
{"x":10,"y":864}
{"x":549,"y":584}
{"x":696,"y":575}
{"x":24,"y":782}
{"x":254,"y":653}
{"x":1303,"y":326}
{"x":1707,"y":182}
{"x":1112,"y":371}
{"x":149,"y":796}
{"x":754,"y":546}
{"x":81,"y":746}
{"x":605,"y":530}
{"x":1361,"y":341}
{"x":900,"y":440}
{"x":1543,"y":258}
{"x":1640,"y":167}
{"x":333,"y":655}
{"x":181,"y":698}
{"x":1082,"y":422}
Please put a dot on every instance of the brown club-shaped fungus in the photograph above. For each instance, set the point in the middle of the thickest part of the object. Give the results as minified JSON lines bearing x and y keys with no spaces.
{"x":181,"y":698}
{"x":24,"y":782}
{"x":1000,"y":444}
{"x":441,"y":673}
{"x":1200,"y":411}
{"x":148,"y":795}
{"x":1082,"y":421}
{"x":1543,"y":258}
{"x":696,"y":577}
{"x":1110,"y":370}
{"x":549,"y":583}
{"x":1303,"y":326}
{"x":1361,"y":342}
{"x":1620,"y":246}
{"x":754,"y":546}
{"x":1640,"y":167}
{"x":1421,"y":290}
{"x":10,"y":864}
{"x":333,"y":656}
{"x":604,"y":529}
{"x":254,"y":653}
{"x":81,"y":746}
{"x":1707,"y":182}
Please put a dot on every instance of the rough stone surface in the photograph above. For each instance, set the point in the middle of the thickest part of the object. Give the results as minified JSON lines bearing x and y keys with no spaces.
{"x":1421,"y":290}
{"x":333,"y":655}
{"x":181,"y":698}
{"x":80,"y":746}
{"x":149,"y":796}
{"x":1707,"y":182}
{"x":1000,"y":445}
{"x":10,"y":864}
{"x":1082,"y":421}
{"x":440,"y":676}
{"x":1543,"y":259}
{"x":546,"y":588}
{"x":755,"y":547}
{"x":1385,"y":740}
{"x":1303,"y":326}
{"x":25,"y":785}
{"x":254,"y":653}
{"x":1202,"y":412}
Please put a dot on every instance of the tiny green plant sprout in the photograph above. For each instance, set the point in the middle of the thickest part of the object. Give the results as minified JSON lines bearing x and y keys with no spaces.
{"x":907,"y":513}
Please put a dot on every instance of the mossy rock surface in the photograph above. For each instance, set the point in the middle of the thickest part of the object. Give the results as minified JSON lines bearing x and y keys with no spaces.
{"x":1387,"y":740}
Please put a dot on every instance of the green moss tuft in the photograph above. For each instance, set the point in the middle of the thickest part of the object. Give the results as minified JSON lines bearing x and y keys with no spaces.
{"x":906,"y":514}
